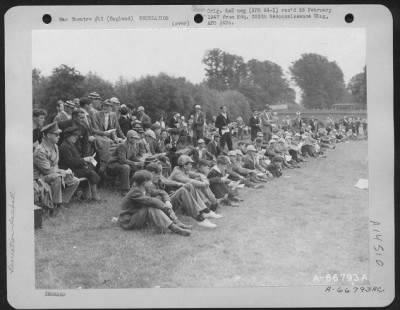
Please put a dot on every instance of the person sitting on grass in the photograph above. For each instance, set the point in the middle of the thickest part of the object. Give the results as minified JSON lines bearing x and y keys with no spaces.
{"x":185,"y":198}
{"x":140,"y":209}
{"x":238,"y":173}
{"x":70,"y":158}
{"x":238,"y":165}
{"x":214,"y":146}
{"x":250,"y":161}
{"x":203,"y":153}
{"x":219,"y":182}
{"x":183,"y":173}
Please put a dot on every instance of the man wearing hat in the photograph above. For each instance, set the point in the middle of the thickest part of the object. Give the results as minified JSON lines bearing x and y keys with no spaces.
{"x":298,"y":122}
{"x":144,"y":118}
{"x":95,"y":100}
{"x":214,"y":146}
{"x":82,"y":143}
{"x":203,"y":152}
{"x":183,"y":173}
{"x":255,"y":125}
{"x":71,"y":158}
{"x":198,"y":124}
{"x":116,"y":104}
{"x":126,"y":160}
{"x":185,"y":198}
{"x":174,"y":122}
{"x":219,"y":180}
{"x":61,"y":114}
{"x":86,"y":105}
{"x":266,"y":123}
{"x":223,"y":124}
{"x":250,"y":161}
{"x":124,"y":120}
{"x":45,"y":166}
{"x":105,"y":123}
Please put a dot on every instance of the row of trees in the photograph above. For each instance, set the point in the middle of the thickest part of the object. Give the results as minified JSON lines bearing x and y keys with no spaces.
{"x":242,"y":86}
{"x":320,"y":80}
{"x":160,"y":95}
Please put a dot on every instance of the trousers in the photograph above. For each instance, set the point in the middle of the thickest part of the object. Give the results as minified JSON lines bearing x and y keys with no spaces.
{"x":226,"y":139}
{"x":60,"y":194}
{"x":143,"y":216}
{"x":124,"y":173}
{"x":189,"y":200}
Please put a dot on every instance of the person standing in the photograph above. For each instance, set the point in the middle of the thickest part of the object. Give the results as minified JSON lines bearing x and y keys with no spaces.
{"x":144,"y":118}
{"x":255,"y":125}
{"x":266,"y":123}
{"x":198,"y":125}
{"x":223,"y":124}
{"x":62,"y":182}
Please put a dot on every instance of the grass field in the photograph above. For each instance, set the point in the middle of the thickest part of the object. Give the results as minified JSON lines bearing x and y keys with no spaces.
{"x":312,"y":221}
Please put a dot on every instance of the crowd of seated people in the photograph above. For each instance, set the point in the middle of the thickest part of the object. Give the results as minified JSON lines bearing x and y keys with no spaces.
{"x":165,"y":167}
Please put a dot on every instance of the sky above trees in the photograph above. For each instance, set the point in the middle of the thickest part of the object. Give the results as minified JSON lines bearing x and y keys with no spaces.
{"x":179,"y":52}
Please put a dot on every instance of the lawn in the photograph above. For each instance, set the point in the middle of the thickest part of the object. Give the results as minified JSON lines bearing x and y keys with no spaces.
{"x":312,"y":221}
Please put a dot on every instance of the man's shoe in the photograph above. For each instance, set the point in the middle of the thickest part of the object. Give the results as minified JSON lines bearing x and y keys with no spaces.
{"x":178,"y":230}
{"x":212,"y":215}
{"x":182,"y":225}
{"x":258,"y":186}
{"x":207,"y":224}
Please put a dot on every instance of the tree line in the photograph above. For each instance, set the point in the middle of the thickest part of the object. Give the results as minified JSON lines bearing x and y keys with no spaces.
{"x":229,"y":80}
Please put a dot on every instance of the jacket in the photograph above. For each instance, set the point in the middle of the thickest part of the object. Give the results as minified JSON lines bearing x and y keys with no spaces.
{"x":82,"y":143}
{"x":198,"y":122}
{"x":179,"y":175}
{"x":70,"y":157}
{"x":217,"y":186}
{"x":98,"y":122}
{"x":45,"y":159}
{"x":121,"y":156}
{"x":135,"y":200}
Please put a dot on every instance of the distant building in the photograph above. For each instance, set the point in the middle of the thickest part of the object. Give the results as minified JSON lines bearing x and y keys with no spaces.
{"x":348,"y":106}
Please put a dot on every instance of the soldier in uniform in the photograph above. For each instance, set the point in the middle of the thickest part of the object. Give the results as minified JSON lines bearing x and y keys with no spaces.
{"x":63,"y":184}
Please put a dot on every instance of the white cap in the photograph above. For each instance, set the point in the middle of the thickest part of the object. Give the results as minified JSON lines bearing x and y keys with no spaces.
{"x":150,"y":133}
{"x":251,"y":147}
{"x":114,"y":100}
{"x":139,"y":109}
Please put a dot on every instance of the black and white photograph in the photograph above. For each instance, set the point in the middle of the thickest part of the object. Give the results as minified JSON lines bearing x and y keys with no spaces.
{"x":254,"y":152}
{"x":203,"y":158}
